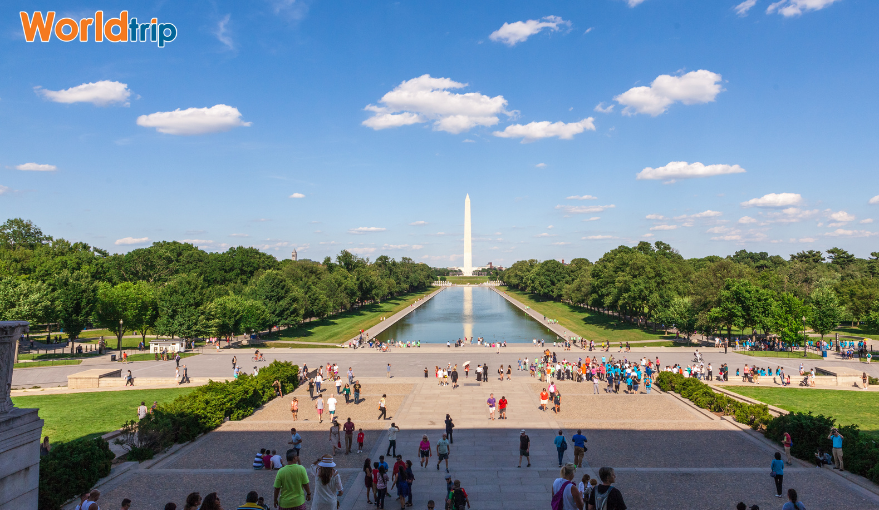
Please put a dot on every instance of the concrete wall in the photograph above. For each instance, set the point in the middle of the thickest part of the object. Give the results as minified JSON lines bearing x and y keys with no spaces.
{"x":20,"y":432}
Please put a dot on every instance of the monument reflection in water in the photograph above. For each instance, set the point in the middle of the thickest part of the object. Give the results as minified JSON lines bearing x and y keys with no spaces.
{"x":459,"y":312}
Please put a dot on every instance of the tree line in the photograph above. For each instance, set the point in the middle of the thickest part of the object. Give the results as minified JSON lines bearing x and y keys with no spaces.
{"x":175,"y":289}
{"x":767,"y":294}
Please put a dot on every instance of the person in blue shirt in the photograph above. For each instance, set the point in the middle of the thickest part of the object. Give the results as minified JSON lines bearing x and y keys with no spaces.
{"x":579,"y":441}
{"x":648,"y":385}
{"x":777,"y":473}
{"x":560,"y":445}
{"x":836,"y":438}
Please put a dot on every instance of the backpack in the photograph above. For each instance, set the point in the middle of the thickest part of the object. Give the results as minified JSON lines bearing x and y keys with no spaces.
{"x":564,"y":445}
{"x":459,"y":498}
{"x":601,"y":499}
{"x":558,"y":499}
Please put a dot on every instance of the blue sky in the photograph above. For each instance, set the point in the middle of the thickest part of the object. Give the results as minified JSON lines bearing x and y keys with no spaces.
{"x":362,"y":125}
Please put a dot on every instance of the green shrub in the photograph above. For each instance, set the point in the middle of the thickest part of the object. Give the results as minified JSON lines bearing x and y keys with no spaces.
{"x":71,"y":469}
{"x":703,"y":396}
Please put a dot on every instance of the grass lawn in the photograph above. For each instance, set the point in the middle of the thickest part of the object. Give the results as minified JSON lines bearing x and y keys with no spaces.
{"x":663,"y":343}
{"x":291,"y":345}
{"x":785,"y":354}
{"x":854,"y":331}
{"x":343,"y":327}
{"x":56,"y":356}
{"x":461,"y":280}
{"x":846,"y":407}
{"x":47,"y":363}
{"x":74,"y":415}
{"x":146,"y":356}
{"x":586,"y":323}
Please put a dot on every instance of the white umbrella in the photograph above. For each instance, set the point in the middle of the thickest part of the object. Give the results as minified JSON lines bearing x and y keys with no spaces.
{"x":466,"y":363}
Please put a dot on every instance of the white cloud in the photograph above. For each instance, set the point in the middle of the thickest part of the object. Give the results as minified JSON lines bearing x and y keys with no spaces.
{"x":594,"y":218}
{"x":788,"y":8}
{"x":418,"y":223}
{"x":683,"y":170}
{"x":545,"y":234}
{"x":131,"y":240}
{"x":634,"y":3}
{"x":655,"y":217}
{"x":427,"y":98}
{"x":704,"y":214}
{"x":239,"y":235}
{"x":519,"y":31}
{"x":866,"y":221}
{"x":402,"y":247}
{"x":731,"y":237}
{"x":540,"y":165}
{"x":774,"y":200}
{"x":746,"y":220}
{"x":194,"y":121}
{"x":589,"y":30}
{"x":581,"y":197}
{"x":842,"y":216}
{"x":692,"y":88}
{"x":197,"y":242}
{"x":99,"y":93}
{"x":790,"y":215}
{"x":718,"y":230}
{"x":366,"y":230}
{"x":545,"y":129}
{"x":4,"y":189}
{"x":583,"y":209}
{"x":222,"y":32}
{"x":549,"y":227}
{"x":361,"y":251}
{"x":874,"y":200}
{"x":807,"y":239}
{"x":36,"y":167}
{"x":297,"y":195}
{"x":560,"y":243}
{"x":598,"y":238}
{"x":664,"y":227}
{"x":328,"y":242}
{"x":850,"y":233}
{"x":646,"y":235}
{"x":743,"y":8}
{"x":467,"y":140}
{"x":600,"y":108}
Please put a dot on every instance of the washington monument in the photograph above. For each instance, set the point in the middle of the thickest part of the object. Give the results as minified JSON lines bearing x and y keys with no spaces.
{"x":467,"y":270}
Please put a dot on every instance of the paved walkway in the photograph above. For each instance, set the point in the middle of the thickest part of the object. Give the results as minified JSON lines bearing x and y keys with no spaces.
{"x":666,"y":453}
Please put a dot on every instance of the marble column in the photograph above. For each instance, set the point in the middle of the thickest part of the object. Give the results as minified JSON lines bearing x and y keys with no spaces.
{"x":20,"y":431}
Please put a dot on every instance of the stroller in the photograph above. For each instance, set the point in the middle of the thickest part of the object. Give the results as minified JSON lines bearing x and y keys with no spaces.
{"x":697,"y":357}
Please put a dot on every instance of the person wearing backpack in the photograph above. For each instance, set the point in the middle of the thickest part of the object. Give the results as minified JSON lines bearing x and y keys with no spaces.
{"x":565,"y":495}
{"x":458,"y":497}
{"x":560,"y":445}
{"x":606,"y":496}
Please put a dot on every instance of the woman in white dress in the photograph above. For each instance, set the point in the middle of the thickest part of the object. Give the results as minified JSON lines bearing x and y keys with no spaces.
{"x":327,"y":484}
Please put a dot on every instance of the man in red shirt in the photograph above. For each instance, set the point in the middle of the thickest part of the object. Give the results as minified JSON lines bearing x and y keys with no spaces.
{"x":399,"y":465}
{"x":349,"y":435}
{"x":502,"y":407}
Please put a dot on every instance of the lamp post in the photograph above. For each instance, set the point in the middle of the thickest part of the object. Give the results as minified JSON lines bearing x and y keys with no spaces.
{"x":805,"y":338}
{"x":120,"y":338}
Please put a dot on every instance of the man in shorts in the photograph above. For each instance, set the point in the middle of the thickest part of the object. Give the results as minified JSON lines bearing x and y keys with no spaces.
{"x":502,"y":408}
{"x":524,"y":448}
{"x":491,"y":405}
{"x":296,"y":441}
{"x":443,"y":448}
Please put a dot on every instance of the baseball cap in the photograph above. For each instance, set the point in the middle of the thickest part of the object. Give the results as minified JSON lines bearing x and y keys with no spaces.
{"x":523,"y":431}
{"x":448,"y":477}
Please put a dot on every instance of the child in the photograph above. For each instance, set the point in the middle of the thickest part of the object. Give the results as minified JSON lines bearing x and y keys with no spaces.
{"x":359,"y":440}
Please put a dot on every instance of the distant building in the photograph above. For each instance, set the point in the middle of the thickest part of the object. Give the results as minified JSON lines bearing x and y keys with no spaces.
{"x":295,"y":256}
{"x":490,"y":266}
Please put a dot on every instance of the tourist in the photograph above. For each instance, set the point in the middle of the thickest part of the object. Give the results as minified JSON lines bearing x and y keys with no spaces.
{"x":82,"y":497}
{"x":565,"y":495}
{"x":458,"y":497}
{"x":212,"y":500}
{"x":129,"y":379}
{"x":45,"y":447}
{"x":560,"y":445}
{"x":389,"y":370}
{"x":410,"y":479}
{"x":777,"y":472}
{"x":381,"y":486}
{"x":327,"y":484}
{"x":357,"y":388}
{"x":185,"y":377}
{"x":291,"y":484}
{"x":91,"y":501}
{"x":579,"y":441}
{"x":454,"y":376}
{"x":443,"y":449}
{"x":595,"y":383}
{"x":837,"y":439}
{"x":544,"y":398}
{"x":424,"y":451}
{"x":793,"y":503}
{"x":335,"y":436}
{"x":402,"y":483}
{"x":368,"y":479}
{"x":392,"y":438}
{"x":319,"y":405}
{"x":449,"y":428}
{"x":142,"y":411}
{"x":296,"y":441}
{"x":331,"y":407}
{"x":524,"y":448}
{"x":170,"y":505}
{"x":557,"y":400}
{"x":509,"y":372}
{"x":349,"y":435}
{"x":294,"y":408}
{"x":502,"y":408}
{"x":193,"y":501}
{"x":606,"y":496}
{"x":822,"y":458}
{"x":787,"y":442}
{"x":382,"y":408}
{"x":250,"y":501}
{"x":491,"y":405}
{"x":347,"y":392}
{"x":311,"y":388}
{"x":275,"y":461}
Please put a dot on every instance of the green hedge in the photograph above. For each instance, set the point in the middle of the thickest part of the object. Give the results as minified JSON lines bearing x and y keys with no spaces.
{"x":753,"y":415}
{"x":205,"y":409}
{"x":809,"y":432}
{"x":71,"y":469}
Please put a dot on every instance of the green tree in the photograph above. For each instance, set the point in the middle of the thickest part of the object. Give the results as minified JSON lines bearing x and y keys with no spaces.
{"x":281,"y":298}
{"x":124,"y":307}
{"x":808,"y":256}
{"x":180,"y":302}
{"x":840,"y":258}
{"x":548,"y":279}
{"x":682,"y":314}
{"x":76,"y":297}
{"x":146,"y":309}
{"x":20,"y":233}
{"x":826,"y":312}
{"x":788,"y":320}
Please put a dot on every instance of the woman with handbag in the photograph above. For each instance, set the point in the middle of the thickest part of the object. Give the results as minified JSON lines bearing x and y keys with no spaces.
{"x":777,"y":473}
